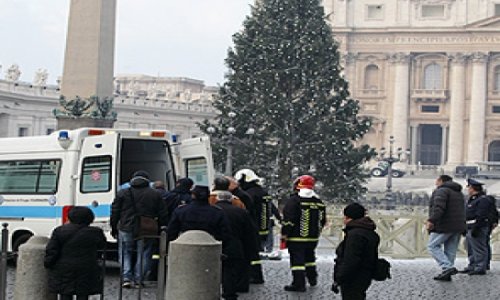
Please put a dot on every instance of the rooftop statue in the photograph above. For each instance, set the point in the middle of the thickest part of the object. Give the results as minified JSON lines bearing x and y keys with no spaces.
{"x":13,"y":73}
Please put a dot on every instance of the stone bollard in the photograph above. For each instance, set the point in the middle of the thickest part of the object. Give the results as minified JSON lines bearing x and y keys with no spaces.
{"x":194,"y":267}
{"x":31,"y":276}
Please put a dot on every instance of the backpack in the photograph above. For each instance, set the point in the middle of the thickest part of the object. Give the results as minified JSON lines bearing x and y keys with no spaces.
{"x":492,"y":211}
{"x":382,"y":270}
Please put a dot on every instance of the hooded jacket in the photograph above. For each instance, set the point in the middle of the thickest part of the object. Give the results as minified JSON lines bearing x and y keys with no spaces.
{"x":141,"y":200}
{"x":71,"y":260}
{"x":357,"y":253}
{"x":447,"y":208}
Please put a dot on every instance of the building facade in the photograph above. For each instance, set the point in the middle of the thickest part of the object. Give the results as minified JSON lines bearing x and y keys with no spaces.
{"x":427,"y":72}
{"x":142,"y":102}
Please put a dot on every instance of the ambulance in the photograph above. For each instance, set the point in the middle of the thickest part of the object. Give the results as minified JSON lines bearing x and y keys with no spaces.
{"x":43,"y":177}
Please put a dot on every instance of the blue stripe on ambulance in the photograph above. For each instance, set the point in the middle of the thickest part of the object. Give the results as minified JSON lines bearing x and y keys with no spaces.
{"x":43,"y":212}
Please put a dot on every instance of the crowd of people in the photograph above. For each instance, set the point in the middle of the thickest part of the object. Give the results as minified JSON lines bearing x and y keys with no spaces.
{"x":238,"y":212}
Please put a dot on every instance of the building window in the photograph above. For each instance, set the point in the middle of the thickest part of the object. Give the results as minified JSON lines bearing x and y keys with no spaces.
{"x":375,"y":12}
{"x":495,"y":109}
{"x":497,"y":9}
{"x":22,"y":131}
{"x":432,"y":11}
{"x":371,"y":77}
{"x":494,"y":151}
{"x":50,"y":130}
{"x":432,"y":77}
{"x":429,"y":108}
{"x":497,"y":78}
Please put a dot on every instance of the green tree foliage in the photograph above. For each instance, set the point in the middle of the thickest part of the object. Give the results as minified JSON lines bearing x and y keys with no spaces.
{"x":285,"y":81}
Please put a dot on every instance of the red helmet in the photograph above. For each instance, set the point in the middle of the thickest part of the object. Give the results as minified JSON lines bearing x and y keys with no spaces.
{"x":305,"y":182}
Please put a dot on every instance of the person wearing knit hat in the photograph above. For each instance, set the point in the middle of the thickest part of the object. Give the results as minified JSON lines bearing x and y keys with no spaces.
{"x":357,"y":254}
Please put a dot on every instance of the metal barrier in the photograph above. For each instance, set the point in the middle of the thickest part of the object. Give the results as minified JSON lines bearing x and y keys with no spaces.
{"x":162,"y":266}
{"x":402,"y":232}
{"x":3,"y":262}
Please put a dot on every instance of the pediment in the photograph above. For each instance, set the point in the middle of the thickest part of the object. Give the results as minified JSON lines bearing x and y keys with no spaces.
{"x":491,"y":22}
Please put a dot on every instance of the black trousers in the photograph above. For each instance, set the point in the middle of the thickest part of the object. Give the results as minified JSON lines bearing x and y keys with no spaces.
{"x":355,"y":290}
{"x":231,"y":279}
{"x":302,"y":261}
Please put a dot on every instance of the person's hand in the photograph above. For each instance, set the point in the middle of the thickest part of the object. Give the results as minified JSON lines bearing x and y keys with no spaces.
{"x":429,"y":225}
{"x":335,"y":287}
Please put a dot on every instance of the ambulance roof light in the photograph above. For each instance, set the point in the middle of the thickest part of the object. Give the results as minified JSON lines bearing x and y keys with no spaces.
{"x":64,"y":139}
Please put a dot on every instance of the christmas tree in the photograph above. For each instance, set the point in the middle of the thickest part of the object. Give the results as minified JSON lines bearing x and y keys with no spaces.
{"x":285,"y":82}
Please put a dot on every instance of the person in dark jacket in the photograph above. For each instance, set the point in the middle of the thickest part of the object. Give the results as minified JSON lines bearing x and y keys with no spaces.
{"x":478,"y":228}
{"x":199,"y":215}
{"x":304,"y":216}
{"x":71,"y":256}
{"x":357,"y":254}
{"x":250,"y":183}
{"x":138,"y":200}
{"x":445,"y":224}
{"x":238,"y":249}
{"x":180,"y":195}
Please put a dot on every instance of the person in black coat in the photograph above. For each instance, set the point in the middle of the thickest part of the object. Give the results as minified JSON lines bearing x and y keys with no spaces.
{"x":71,"y":256}
{"x":357,"y":254}
{"x":445,"y":224}
{"x":180,"y":195}
{"x":238,"y":249}
{"x":478,"y":228}
{"x":199,"y":215}
{"x":138,"y":200}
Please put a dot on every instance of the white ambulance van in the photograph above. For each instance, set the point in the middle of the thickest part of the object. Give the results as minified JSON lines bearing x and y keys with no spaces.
{"x":42,"y":177}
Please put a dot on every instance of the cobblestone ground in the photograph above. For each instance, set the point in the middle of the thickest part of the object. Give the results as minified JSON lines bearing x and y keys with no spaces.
{"x":412,"y":279}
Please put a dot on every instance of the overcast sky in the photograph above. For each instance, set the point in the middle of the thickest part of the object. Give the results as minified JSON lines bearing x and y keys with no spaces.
{"x":186,"y":38}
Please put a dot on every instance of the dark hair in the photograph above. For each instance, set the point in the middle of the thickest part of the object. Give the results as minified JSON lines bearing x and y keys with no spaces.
{"x":445,"y":178}
{"x":81,"y":215}
{"x":221,"y":184}
{"x":477,"y":188}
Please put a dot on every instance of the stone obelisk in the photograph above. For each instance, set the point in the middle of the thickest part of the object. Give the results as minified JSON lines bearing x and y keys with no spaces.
{"x":87,"y":81}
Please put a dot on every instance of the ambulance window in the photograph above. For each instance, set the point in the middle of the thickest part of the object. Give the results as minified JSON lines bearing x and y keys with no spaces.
{"x":197,"y":170}
{"x":96,"y":174}
{"x":29,"y":176}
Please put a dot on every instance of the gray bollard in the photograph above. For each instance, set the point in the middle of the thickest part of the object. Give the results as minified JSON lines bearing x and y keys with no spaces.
{"x":3,"y":263}
{"x":194,"y":267}
{"x":31,"y":276}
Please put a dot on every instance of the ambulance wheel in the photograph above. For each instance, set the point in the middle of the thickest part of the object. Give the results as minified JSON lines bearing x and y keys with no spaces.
{"x":18,"y":240}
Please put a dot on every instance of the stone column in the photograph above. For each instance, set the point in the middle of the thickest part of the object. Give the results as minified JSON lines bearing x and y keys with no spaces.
{"x":457,"y":110}
{"x":90,"y":46}
{"x":401,"y":103}
{"x":348,"y":60}
{"x":414,"y":144}
{"x":477,"y":116}
{"x":444,"y":143}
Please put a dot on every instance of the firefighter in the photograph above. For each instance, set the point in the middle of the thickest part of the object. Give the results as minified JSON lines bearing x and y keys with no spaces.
{"x":304,"y":216}
{"x":250,"y":183}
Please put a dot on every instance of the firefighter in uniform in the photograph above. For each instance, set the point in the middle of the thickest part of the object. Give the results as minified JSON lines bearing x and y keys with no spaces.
{"x":250,"y":183}
{"x":304,"y":216}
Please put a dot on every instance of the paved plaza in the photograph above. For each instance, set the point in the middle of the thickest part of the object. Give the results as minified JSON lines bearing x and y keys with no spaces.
{"x":412,"y":279}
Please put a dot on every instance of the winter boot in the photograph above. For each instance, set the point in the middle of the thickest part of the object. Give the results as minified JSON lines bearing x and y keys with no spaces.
{"x":298,"y":283}
{"x":312,"y":275}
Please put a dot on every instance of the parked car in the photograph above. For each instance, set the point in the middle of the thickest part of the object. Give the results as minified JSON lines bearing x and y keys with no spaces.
{"x":382,"y":169}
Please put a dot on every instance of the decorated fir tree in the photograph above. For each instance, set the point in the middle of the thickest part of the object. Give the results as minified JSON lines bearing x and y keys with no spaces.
{"x":285,"y":82}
